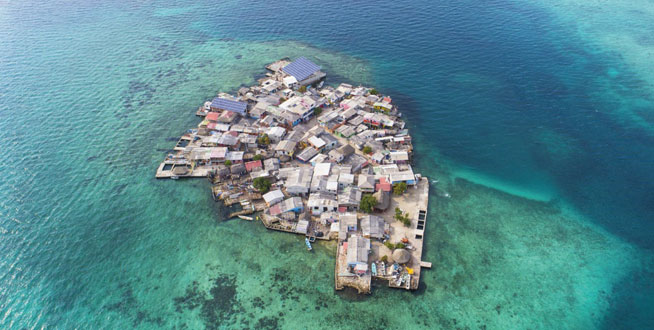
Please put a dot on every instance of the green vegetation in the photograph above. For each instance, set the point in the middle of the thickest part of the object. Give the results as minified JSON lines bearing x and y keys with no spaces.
{"x":228,"y":162}
{"x":399,"y":188}
{"x":317,"y":111}
{"x":257,"y":157}
{"x":302,"y":89}
{"x":262,"y":184}
{"x":367,"y":150}
{"x":384,"y":259}
{"x":391,"y":246}
{"x":368,"y":203}
{"x":373,"y":92}
{"x":401,"y":217}
{"x":263,"y":139}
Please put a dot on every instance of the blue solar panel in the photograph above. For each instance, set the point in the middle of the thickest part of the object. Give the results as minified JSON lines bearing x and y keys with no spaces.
{"x":225,"y":104}
{"x":301,"y":68}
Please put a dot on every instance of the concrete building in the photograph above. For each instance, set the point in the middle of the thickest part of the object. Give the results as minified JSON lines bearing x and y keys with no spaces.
{"x":299,"y":180}
{"x":357,"y":252}
{"x":302,"y":105}
{"x":276,"y":134}
{"x":306,"y":154}
{"x":366,"y":183}
{"x":273,"y":197}
{"x":330,"y":141}
{"x":322,"y":202}
{"x":373,"y":226}
{"x":285,"y":148}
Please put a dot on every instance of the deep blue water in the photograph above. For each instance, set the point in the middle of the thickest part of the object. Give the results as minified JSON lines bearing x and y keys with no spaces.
{"x":510,"y":95}
{"x":537,"y":75}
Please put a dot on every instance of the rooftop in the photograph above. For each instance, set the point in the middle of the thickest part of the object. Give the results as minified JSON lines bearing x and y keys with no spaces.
{"x":229,"y":105}
{"x":301,"y":68}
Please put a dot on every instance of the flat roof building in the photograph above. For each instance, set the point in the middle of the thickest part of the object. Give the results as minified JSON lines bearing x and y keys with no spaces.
{"x":373,"y":226}
{"x":273,"y":197}
{"x":301,"y":68}
{"x":222,"y":104}
{"x":357,"y":250}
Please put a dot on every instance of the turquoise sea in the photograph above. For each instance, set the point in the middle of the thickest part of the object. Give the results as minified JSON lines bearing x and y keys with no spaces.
{"x":536,"y":117}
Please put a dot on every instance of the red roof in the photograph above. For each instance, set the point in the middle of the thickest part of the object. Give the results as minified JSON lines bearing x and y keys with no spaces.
{"x":387,"y":99}
{"x":383,"y":185}
{"x":212,"y":116}
{"x":249,"y":166}
{"x":342,"y":209}
{"x":211,"y":126}
{"x":276,"y":209}
{"x":232,"y":133}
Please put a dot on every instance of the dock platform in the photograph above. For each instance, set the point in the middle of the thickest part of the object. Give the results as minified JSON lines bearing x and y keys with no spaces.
{"x":166,"y":170}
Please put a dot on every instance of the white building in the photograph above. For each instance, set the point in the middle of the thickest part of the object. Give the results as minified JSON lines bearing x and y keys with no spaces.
{"x":301,"y":105}
{"x":322,"y":202}
{"x":273,"y":197}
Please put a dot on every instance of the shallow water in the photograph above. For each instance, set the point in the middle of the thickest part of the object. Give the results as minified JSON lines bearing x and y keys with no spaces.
{"x":538,"y":128}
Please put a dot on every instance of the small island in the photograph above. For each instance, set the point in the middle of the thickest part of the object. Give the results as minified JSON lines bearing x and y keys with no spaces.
{"x":327,"y":163}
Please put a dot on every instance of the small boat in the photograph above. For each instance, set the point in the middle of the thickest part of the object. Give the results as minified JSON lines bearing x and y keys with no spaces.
{"x":245,"y":217}
{"x":383,"y":269}
{"x":174,"y":177}
{"x":374,"y":269}
{"x":306,"y":240}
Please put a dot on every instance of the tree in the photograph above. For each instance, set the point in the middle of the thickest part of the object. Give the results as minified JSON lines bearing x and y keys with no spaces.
{"x":399,"y":188}
{"x":228,"y":162}
{"x":373,"y":92}
{"x":302,"y":89}
{"x":384,"y":259}
{"x":401,"y":217}
{"x":257,"y":157}
{"x":317,"y":111}
{"x":262,"y":184}
{"x":367,"y":150}
{"x":263,"y":139}
{"x":282,"y":100}
{"x":389,"y":245}
{"x":368,"y":203}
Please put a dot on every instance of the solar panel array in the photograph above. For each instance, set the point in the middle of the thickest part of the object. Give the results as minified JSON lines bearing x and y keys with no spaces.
{"x":301,"y":68}
{"x":225,"y":104}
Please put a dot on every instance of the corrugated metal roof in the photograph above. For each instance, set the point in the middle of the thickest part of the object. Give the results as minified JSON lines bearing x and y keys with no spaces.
{"x":229,"y":105}
{"x":301,"y":68}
